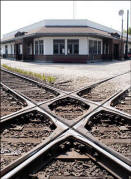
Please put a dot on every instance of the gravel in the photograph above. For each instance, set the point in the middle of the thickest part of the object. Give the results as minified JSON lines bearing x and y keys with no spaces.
{"x":51,"y":166}
{"x":29,"y":89}
{"x":69,"y":108}
{"x":23,"y":134}
{"x":123,"y":102}
{"x":109,"y":128}
{"x":106,"y":89}
{"x":10,"y":103}
{"x":80,"y":75}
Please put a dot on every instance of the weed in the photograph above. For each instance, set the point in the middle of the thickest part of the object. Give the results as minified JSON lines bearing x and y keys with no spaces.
{"x":43,"y":77}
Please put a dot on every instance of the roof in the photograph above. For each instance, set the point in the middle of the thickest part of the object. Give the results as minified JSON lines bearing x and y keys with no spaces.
{"x":61,"y":31}
{"x":62,"y":28}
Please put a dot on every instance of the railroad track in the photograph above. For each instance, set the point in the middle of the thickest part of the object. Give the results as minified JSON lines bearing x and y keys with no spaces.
{"x":102,"y":91}
{"x":22,"y":134}
{"x":112,"y":130}
{"x":71,"y":158}
{"x":10,"y":102}
{"x":123,"y":101}
{"x":64,"y":155}
{"x":33,"y":91}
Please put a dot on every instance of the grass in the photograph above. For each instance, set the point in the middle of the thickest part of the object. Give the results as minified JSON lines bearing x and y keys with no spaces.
{"x":43,"y":77}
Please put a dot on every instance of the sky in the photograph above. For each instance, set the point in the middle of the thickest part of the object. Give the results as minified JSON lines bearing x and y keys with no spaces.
{"x":17,"y":14}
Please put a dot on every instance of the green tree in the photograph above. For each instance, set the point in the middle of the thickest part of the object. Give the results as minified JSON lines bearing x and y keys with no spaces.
{"x":129,"y":31}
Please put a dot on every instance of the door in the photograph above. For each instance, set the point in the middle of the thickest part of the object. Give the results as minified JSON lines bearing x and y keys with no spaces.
{"x":116,"y":51}
{"x":18,"y":53}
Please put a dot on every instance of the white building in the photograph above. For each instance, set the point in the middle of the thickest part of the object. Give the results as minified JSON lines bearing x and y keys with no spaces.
{"x":64,"y":41}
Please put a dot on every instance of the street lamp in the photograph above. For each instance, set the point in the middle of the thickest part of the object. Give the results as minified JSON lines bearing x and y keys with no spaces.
{"x":121,"y":12}
{"x":126,"y":48}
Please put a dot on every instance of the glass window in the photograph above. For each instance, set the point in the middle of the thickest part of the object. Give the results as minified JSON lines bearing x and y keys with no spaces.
{"x":91,"y":47}
{"x":56,"y":49}
{"x":6,"y":49}
{"x":76,"y":49}
{"x":11,"y":49}
{"x":59,"y":47}
{"x":106,"y":48}
{"x":20,"y":49}
{"x":73,"y":47}
{"x":95,"y":47}
{"x":36,"y":47}
{"x":41,"y":51}
{"x":30,"y":49}
{"x":14,"y":49}
{"x":99,"y":47}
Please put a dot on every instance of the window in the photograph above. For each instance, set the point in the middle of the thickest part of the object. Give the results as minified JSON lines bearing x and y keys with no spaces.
{"x":99,"y":47}
{"x":36,"y":47}
{"x":20,"y":49}
{"x":41,"y":51}
{"x":94,"y":47}
{"x":30,"y":49}
{"x":73,"y":47}
{"x":14,"y":49}
{"x":59,"y":47}
{"x":91,"y":46}
{"x":11,"y":49}
{"x":6,"y":49}
{"x":106,"y":48}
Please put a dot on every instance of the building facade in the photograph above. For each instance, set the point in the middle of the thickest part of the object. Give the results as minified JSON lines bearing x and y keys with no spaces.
{"x":64,"y":41}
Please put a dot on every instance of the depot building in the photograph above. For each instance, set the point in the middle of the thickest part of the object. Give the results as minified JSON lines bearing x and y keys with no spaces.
{"x":64,"y":41}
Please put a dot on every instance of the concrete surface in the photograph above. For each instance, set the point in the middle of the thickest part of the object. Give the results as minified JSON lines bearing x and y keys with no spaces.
{"x":80,"y":74}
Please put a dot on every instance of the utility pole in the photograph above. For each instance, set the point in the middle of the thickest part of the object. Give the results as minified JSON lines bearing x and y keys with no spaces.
{"x":130,"y":14}
{"x":121,"y":12}
{"x":126,"y":49}
{"x":74,"y":9}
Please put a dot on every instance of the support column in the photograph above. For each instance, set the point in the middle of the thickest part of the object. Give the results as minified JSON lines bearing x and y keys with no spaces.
{"x":66,"y":47}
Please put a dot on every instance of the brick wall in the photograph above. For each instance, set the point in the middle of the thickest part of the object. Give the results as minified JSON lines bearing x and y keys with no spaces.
{"x":65,"y":58}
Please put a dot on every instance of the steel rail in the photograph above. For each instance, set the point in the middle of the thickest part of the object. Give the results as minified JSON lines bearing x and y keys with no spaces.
{"x":60,"y":129}
{"x":62,"y":91}
{"x":108,"y":103}
{"x":66,"y":134}
{"x":70,"y":127}
{"x":33,"y":81}
{"x":28,"y":102}
{"x":68,"y":93}
{"x":98,"y":82}
{"x":59,"y":119}
{"x":120,"y":162}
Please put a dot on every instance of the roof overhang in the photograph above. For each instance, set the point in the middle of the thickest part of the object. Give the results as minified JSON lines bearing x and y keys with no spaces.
{"x":37,"y":35}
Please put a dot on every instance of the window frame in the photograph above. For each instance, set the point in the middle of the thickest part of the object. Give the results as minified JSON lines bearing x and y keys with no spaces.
{"x":6,"y":49}
{"x":72,"y":43}
{"x":11,"y":49}
{"x":36,"y":47}
{"x":94,"y":48}
{"x":59,"y":43}
{"x":41,"y":47}
{"x":99,"y":50}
